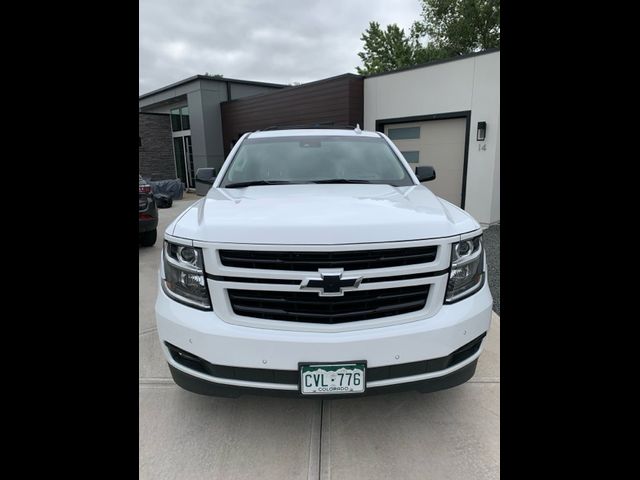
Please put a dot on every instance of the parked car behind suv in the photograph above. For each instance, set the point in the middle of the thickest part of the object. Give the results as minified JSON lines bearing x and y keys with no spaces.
{"x":318,"y":265}
{"x":147,"y":214}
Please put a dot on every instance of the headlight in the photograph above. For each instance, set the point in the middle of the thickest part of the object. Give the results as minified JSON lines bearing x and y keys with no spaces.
{"x":467,"y":269}
{"x":184,"y":278}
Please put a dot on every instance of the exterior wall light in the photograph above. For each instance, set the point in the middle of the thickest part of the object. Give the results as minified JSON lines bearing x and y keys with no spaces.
{"x":482,"y":131}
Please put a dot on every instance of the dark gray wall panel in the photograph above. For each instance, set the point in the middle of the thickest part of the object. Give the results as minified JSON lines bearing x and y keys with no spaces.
{"x":155,"y":154}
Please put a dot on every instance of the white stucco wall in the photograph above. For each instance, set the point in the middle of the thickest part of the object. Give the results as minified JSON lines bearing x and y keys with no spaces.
{"x":468,"y":84}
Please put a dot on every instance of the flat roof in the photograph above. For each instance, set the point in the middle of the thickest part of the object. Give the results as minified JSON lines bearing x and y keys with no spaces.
{"x":291,"y":87}
{"x":436,"y":62}
{"x":215,"y":79}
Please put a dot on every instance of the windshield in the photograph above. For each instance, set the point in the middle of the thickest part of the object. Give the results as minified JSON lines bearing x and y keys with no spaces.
{"x":310,"y":159}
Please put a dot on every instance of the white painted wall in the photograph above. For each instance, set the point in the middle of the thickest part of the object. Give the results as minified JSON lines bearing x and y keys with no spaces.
{"x":467,"y":84}
{"x":495,"y":203}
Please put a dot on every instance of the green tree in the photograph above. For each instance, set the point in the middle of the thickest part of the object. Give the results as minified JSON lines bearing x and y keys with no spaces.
{"x":448,"y":28}
{"x":462,"y":26}
{"x":385,"y":49}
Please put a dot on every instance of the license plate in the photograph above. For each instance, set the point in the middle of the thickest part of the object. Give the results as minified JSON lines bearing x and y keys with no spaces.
{"x":331,"y":379}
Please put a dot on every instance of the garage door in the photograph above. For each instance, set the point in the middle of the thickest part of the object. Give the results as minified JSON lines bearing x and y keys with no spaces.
{"x":439,"y":143}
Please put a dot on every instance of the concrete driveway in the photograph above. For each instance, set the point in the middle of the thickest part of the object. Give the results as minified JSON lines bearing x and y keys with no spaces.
{"x":452,"y":434}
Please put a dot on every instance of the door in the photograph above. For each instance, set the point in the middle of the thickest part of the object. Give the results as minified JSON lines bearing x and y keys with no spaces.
{"x":191,"y":177}
{"x":178,"y":153}
{"x":183,"y":155}
{"x":439,"y":143}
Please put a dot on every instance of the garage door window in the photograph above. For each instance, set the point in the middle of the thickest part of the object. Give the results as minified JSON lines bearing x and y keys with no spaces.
{"x":405,"y":133}
{"x":412,"y":156}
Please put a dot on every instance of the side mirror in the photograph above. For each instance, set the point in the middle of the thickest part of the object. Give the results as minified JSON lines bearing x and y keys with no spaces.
{"x":204,"y":180}
{"x":425,"y":173}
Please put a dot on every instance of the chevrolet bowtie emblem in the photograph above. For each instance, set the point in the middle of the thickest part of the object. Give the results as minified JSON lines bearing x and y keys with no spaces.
{"x":330,"y":283}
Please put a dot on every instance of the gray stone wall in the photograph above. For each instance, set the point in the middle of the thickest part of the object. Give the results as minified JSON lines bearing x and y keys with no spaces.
{"x":155,"y":155}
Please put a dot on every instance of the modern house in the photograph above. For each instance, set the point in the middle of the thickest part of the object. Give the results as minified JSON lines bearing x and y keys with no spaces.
{"x":180,"y":126}
{"x":444,"y":113}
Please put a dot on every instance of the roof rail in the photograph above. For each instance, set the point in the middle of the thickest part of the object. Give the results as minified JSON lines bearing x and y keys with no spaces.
{"x":308,"y":126}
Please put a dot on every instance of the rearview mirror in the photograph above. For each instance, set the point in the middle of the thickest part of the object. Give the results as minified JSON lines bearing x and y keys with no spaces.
{"x":204,"y":180}
{"x":425,"y":173}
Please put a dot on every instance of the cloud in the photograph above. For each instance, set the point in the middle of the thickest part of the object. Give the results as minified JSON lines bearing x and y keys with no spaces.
{"x":280,"y":41}
{"x":175,"y":50}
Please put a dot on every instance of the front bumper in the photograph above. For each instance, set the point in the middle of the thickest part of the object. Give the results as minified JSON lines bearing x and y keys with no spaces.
{"x":206,"y":387}
{"x":205,"y":335}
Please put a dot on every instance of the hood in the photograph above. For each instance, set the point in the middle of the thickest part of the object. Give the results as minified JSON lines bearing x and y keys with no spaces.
{"x":321,"y":215}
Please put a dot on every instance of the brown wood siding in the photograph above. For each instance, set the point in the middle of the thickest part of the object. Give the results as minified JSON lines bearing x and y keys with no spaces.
{"x":337,"y":100}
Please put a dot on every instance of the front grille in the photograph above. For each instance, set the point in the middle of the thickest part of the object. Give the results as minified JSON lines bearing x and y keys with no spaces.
{"x":292,"y":376}
{"x":312,"y":308}
{"x":312,"y":261}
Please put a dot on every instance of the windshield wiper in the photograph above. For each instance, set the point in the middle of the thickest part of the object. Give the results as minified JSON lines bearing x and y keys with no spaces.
{"x":259,"y":182}
{"x":289,"y":182}
{"x":341,"y":180}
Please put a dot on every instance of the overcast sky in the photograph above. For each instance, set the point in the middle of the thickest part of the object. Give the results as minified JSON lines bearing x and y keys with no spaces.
{"x":280,"y":41}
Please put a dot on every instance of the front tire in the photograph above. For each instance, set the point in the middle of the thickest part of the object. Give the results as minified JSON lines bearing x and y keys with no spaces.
{"x":148,"y":238}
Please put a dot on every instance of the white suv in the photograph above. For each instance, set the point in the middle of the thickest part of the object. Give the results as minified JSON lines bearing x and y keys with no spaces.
{"x":318,"y":265}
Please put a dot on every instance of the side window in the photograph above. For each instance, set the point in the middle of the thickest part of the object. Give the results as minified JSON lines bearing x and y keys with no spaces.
{"x":176,"y":123}
{"x":184,"y":114}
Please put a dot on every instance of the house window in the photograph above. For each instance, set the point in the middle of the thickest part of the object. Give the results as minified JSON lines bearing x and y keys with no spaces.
{"x":184,"y":114}
{"x":180,"y":119}
{"x":176,"y":124}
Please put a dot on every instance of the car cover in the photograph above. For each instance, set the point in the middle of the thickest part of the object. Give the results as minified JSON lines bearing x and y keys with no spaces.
{"x":163,"y":200}
{"x":172,"y":188}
